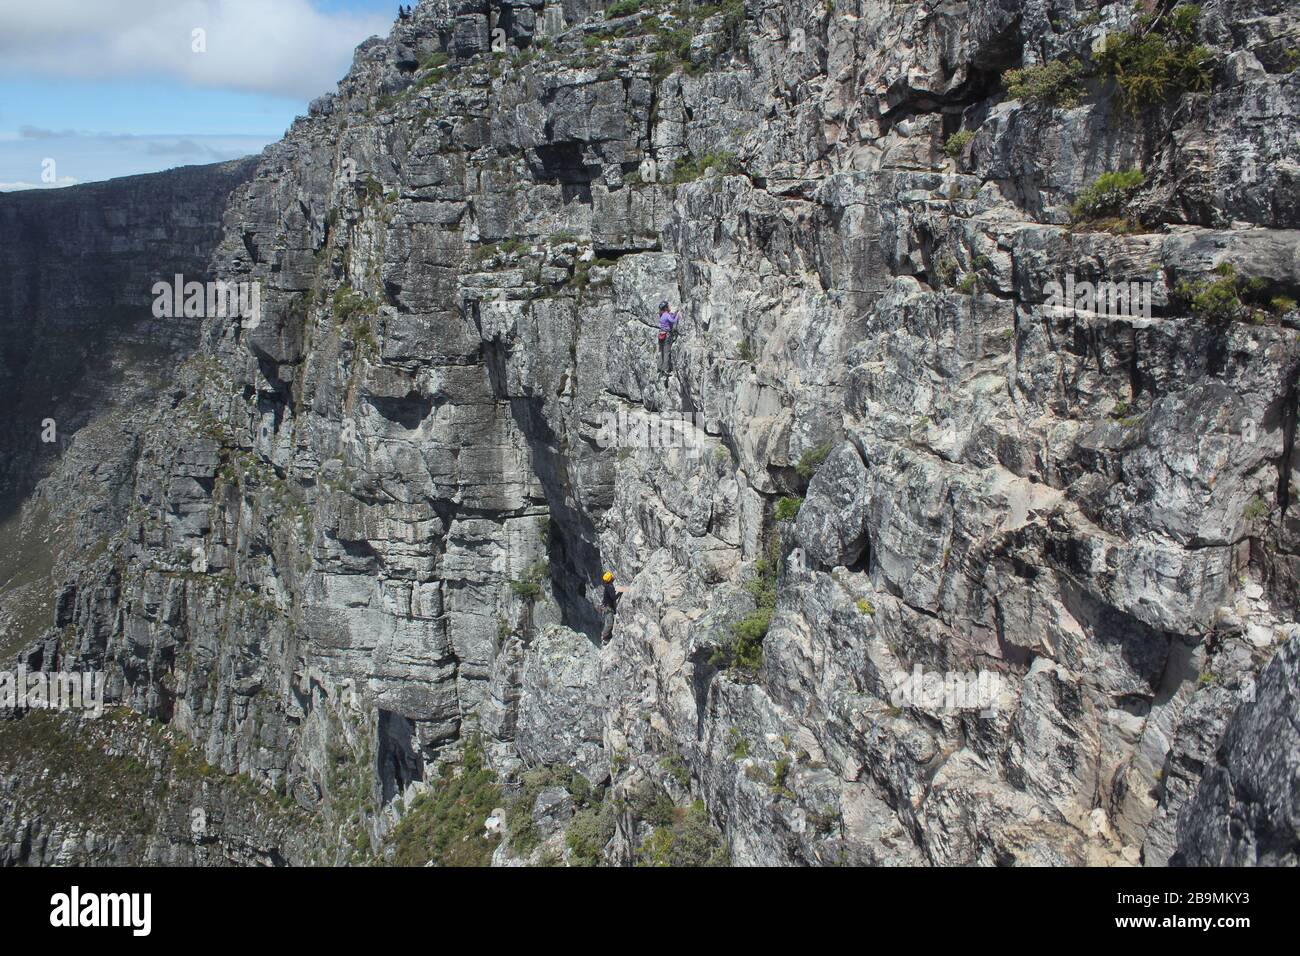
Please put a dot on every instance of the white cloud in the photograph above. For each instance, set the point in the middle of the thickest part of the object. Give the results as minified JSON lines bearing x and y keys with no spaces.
{"x":13,"y":187}
{"x":26,"y":161}
{"x":283,"y":47}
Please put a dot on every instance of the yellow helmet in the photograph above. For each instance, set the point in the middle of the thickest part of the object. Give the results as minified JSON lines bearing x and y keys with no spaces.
{"x":608,"y":576}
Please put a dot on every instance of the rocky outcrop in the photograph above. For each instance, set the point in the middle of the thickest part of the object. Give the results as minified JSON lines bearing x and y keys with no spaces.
{"x":120,"y":791}
{"x":83,"y":355}
{"x":1039,"y":549}
{"x":1244,"y":811}
{"x":77,"y":269}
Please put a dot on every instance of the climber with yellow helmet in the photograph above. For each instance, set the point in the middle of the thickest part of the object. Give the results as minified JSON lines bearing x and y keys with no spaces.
{"x":609,"y":603}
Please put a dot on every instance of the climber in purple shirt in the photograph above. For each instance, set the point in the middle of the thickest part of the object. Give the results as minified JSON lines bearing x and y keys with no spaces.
{"x":667,"y":329}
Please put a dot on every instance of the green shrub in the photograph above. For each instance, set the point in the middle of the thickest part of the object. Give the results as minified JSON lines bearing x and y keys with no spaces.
{"x":1226,"y":297}
{"x":690,"y":168}
{"x":675,"y":765}
{"x":1214,"y":300}
{"x":688,"y":840}
{"x":1158,"y":58}
{"x":1256,"y":509}
{"x":674,"y":43}
{"x":445,"y":824}
{"x":650,"y":802}
{"x":780,"y":772}
{"x":1109,"y":196}
{"x":429,"y":79}
{"x":522,"y":830}
{"x":1054,"y":83}
{"x":529,"y":586}
{"x":945,"y":271}
{"x":969,"y":284}
{"x":588,"y":833}
{"x":624,"y":8}
{"x":733,"y":25}
{"x":349,"y":304}
{"x":957,"y":143}
{"x":811,"y":459}
{"x":746,"y":651}
{"x":743,"y":651}
{"x":788,"y":508}
{"x":505,"y":247}
{"x":433,"y":68}
{"x":763,"y":586}
{"x":739,"y":745}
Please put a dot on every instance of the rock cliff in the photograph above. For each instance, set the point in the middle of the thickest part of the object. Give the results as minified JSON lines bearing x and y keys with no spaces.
{"x":359,"y":539}
{"x":77,"y":267}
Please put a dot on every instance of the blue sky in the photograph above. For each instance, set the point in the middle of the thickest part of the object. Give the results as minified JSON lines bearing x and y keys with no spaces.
{"x":92,"y":89}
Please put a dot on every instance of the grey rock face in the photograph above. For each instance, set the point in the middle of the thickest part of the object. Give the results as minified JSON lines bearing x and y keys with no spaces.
{"x":1047,"y":553}
{"x":832,"y":524}
{"x":77,"y":270}
{"x":559,"y":722}
{"x":117,"y":791}
{"x":83,"y":357}
{"x":1244,"y":812}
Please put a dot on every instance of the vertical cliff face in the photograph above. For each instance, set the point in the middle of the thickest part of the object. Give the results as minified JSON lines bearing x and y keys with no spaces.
{"x":81,"y":352}
{"x":366,"y":532}
{"x":77,"y":267}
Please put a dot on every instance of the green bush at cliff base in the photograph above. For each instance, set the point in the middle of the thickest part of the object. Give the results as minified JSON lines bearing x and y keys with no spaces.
{"x":688,"y":840}
{"x":444,"y":825}
{"x":1158,"y":58}
{"x":589,"y":833}
{"x":524,"y":836}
